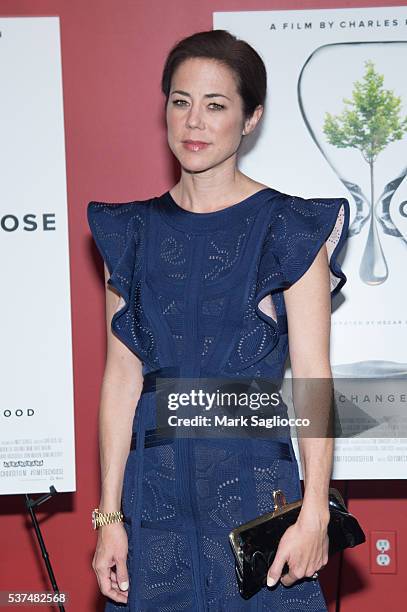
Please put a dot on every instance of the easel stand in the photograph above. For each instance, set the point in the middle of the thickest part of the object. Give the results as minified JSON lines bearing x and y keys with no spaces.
{"x":31,"y":505}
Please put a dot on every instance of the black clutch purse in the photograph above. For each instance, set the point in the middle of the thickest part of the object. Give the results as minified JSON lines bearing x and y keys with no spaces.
{"x":255,"y":543}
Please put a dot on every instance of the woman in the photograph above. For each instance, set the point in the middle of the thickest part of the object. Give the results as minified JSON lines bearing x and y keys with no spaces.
{"x":215,"y":277}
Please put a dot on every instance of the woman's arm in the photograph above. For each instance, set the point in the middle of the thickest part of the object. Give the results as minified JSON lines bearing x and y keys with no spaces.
{"x":304,"y":545}
{"x":120,"y":391}
{"x":308,"y":307}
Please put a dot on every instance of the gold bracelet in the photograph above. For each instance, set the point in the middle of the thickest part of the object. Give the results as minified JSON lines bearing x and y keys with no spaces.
{"x":106,"y":518}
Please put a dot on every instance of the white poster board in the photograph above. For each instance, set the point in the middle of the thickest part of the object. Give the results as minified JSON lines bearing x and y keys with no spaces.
{"x":36,"y":403}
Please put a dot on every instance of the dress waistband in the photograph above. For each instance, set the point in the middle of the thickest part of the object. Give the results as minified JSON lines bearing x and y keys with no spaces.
{"x":166,"y":435}
{"x":277,"y":449}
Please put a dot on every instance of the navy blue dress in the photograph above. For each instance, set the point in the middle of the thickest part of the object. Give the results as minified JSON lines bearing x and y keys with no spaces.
{"x":203,"y":295}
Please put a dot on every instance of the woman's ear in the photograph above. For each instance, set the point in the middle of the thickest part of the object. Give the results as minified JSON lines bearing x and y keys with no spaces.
{"x":252,"y":121}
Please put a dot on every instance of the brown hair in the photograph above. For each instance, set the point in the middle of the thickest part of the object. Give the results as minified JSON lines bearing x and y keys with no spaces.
{"x":220,"y":45}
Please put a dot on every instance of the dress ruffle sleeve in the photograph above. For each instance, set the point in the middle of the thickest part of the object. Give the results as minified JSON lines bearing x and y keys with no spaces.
{"x":118,"y":231}
{"x":115,"y":229}
{"x":296,"y":232}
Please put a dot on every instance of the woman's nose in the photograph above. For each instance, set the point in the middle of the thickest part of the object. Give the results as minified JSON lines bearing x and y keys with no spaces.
{"x":194,"y":118}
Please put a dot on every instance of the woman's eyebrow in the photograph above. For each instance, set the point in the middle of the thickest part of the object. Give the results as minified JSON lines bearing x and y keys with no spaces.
{"x":209,"y":95}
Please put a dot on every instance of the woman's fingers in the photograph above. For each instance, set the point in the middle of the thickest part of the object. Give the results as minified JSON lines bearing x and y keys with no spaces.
{"x":275,"y":569}
{"x":121,"y":574}
{"x":108,"y":584}
{"x":292,"y":576}
{"x":115,"y":587}
{"x":109,"y":564}
{"x":304,"y":553}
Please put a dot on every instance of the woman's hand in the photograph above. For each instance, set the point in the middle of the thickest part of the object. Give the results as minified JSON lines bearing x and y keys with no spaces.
{"x":111,"y":549}
{"x":304,"y":546}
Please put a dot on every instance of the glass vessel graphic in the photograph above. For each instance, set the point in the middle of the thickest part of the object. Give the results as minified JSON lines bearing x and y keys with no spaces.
{"x":370,"y":157}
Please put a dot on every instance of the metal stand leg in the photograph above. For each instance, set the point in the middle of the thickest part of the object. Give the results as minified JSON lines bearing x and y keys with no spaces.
{"x":31,"y":504}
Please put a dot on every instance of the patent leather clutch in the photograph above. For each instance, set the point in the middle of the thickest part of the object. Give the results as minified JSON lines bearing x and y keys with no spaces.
{"x":255,"y":543}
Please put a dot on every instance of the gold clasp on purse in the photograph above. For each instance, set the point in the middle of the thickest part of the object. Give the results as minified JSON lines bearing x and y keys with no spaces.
{"x":279,"y":499}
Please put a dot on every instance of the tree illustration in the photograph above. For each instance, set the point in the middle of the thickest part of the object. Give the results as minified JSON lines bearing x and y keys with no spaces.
{"x":370,"y":122}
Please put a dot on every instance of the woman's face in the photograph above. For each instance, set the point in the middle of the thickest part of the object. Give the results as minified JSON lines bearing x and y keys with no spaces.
{"x":205,"y":118}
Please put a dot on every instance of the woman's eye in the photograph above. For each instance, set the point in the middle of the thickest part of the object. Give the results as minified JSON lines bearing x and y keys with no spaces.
{"x":212,"y":105}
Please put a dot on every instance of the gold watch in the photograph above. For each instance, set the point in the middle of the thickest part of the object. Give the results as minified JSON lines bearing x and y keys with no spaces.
{"x":105,"y":518}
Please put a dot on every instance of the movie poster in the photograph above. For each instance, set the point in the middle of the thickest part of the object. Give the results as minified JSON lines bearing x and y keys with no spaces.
{"x":36,"y":405}
{"x":335,"y":125}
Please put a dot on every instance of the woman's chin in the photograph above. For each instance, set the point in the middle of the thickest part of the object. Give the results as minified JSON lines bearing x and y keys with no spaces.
{"x":194,"y":168}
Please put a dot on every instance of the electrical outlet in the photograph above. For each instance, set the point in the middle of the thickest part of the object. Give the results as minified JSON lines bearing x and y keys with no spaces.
{"x":383,"y":552}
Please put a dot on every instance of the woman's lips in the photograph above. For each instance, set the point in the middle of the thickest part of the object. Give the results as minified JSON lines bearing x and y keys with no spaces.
{"x":195,"y":145}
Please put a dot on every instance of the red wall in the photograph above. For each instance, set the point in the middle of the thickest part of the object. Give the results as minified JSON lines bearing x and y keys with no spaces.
{"x":112,"y":56}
